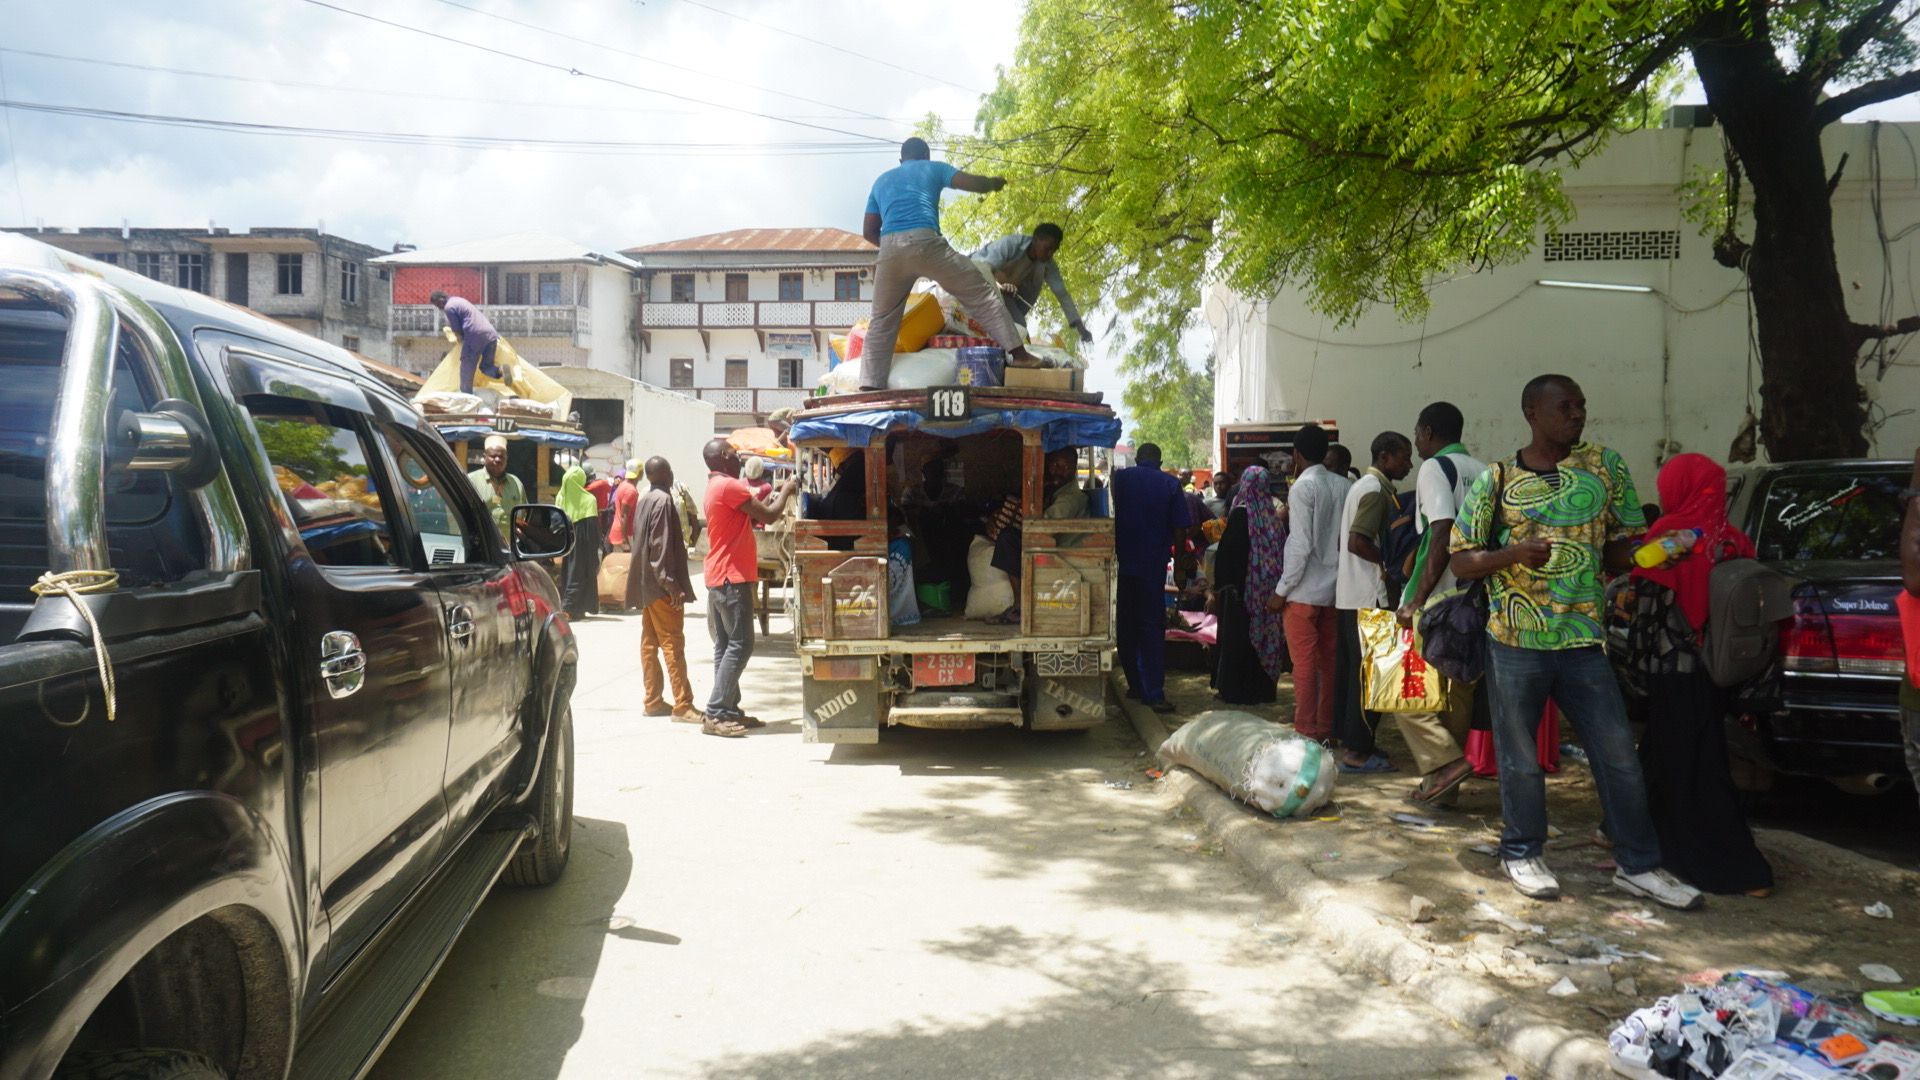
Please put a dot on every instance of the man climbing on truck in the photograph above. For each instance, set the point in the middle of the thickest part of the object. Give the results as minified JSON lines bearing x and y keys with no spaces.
{"x":903,"y":218}
{"x":478,"y":338}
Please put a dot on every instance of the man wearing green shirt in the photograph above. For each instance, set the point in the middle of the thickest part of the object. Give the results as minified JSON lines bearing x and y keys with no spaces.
{"x":1546,"y":527}
{"x":498,"y":488}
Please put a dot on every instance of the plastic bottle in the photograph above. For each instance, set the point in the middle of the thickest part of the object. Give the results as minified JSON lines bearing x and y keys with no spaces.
{"x":1657,"y":553}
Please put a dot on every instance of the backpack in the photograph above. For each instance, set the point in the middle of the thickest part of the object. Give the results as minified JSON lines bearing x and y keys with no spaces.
{"x":1399,"y":544}
{"x":1745,"y":602}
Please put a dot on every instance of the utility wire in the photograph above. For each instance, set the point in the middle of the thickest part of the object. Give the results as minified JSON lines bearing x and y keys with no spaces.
{"x":831,"y":45}
{"x":599,"y":78}
{"x":13,"y":148}
{"x":665,"y":63}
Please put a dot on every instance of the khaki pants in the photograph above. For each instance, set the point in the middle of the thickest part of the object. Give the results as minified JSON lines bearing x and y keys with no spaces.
{"x":905,"y":258}
{"x":663,"y":635}
{"x":1439,"y":738}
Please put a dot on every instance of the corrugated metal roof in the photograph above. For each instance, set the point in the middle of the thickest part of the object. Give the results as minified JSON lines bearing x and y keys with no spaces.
{"x":524,"y":247}
{"x":816,"y":239}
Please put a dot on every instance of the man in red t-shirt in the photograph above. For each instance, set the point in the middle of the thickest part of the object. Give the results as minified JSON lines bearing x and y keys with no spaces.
{"x":732,"y":571}
{"x":625,"y":498}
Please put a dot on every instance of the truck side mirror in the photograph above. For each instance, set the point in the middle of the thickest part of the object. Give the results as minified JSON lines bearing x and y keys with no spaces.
{"x":540,"y":531}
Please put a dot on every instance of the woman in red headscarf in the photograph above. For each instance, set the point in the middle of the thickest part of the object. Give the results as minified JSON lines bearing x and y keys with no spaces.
{"x":1703,"y":834}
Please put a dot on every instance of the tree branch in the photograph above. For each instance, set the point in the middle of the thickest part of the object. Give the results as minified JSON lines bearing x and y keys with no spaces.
{"x":1861,"y":333}
{"x":1855,"y":37}
{"x":1865,"y":94}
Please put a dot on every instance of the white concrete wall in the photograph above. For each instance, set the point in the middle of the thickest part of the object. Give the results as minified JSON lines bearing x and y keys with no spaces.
{"x":610,"y":297}
{"x":1664,"y":372}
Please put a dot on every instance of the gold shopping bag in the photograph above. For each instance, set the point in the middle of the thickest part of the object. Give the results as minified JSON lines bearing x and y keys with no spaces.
{"x":1394,"y":676}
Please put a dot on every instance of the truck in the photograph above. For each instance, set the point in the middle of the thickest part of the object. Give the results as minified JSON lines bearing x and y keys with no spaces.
{"x":282,"y":703}
{"x":1048,"y":669}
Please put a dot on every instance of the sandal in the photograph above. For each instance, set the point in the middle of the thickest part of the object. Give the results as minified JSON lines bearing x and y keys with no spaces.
{"x":1009,"y":617}
{"x":1374,"y":764}
{"x":1430,"y":793}
{"x":726,"y":729}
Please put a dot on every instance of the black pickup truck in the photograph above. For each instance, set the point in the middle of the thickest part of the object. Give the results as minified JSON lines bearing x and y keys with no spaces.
{"x":260,"y":758}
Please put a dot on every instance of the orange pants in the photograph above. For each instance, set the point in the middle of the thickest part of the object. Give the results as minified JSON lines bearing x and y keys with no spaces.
{"x":1311,"y":637}
{"x":663,"y":635}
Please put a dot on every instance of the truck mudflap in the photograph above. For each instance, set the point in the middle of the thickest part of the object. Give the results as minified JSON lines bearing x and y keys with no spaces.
{"x":1069,"y":702}
{"x":840,"y":700}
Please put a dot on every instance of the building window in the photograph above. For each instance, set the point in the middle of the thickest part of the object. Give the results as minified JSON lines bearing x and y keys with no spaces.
{"x":789,"y":372}
{"x":290,"y":280}
{"x":350,"y":342}
{"x":550,"y":289}
{"x":517,"y":288}
{"x":736,"y":288}
{"x":349,"y":282}
{"x":149,"y":264}
{"x":681,"y":374}
{"x":846,"y":285}
{"x":237,"y":278}
{"x":736,"y":371}
{"x":792,"y":288}
{"x":191,"y":272}
{"x":682,"y":289}
{"x":111,"y":257}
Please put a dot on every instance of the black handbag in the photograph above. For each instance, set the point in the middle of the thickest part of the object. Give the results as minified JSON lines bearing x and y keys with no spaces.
{"x":1453,"y":625}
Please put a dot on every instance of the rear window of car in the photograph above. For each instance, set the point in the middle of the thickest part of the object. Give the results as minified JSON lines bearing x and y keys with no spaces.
{"x":1832,"y":514}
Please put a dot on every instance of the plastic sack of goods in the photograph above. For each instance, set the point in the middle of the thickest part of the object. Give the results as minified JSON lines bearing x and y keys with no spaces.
{"x":1746,"y":1027}
{"x":1255,"y":761}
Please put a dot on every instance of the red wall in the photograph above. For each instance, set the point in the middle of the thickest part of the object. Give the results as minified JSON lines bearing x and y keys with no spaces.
{"x":413,"y":284}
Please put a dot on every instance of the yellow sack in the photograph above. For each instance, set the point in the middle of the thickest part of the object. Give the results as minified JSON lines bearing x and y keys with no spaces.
{"x":922,"y":319}
{"x":1394,"y":676}
{"x":523,"y":380}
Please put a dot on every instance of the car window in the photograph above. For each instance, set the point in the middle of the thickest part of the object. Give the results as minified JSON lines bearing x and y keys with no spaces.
{"x":444,"y":531}
{"x":1831,"y":515}
{"x":321,"y":465}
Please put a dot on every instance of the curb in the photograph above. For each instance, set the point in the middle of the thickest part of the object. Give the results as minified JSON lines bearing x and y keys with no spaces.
{"x":1522,"y":1038}
{"x":1820,"y":856}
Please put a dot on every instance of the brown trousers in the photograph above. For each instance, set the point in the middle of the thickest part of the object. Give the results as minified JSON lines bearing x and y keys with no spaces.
{"x":663,"y":635}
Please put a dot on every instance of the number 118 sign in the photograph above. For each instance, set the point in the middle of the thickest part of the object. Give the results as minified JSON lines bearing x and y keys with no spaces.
{"x":949,"y":403}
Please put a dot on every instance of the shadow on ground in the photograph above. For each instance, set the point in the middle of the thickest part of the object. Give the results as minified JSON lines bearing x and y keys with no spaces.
{"x":508,"y":1001}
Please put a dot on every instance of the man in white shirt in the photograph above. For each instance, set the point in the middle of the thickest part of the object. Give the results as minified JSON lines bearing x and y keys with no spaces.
{"x":1446,"y":472}
{"x":1306,"y":587}
{"x":1365,"y":517}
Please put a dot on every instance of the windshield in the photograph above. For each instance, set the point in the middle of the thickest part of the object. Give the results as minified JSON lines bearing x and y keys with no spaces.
{"x":1832,"y":514}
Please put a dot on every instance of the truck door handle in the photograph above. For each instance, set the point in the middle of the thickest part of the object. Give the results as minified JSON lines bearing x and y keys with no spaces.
{"x":343,"y":664}
{"x":460,"y":623}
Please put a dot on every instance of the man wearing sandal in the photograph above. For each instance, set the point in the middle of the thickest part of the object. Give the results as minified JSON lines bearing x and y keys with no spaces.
{"x":732,"y":573}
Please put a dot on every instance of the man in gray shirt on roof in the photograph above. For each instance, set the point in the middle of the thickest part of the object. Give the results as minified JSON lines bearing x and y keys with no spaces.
{"x":1021,"y":264}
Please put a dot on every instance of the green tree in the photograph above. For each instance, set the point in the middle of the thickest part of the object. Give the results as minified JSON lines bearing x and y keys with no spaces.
{"x":1362,"y":149}
{"x":1174,"y":410}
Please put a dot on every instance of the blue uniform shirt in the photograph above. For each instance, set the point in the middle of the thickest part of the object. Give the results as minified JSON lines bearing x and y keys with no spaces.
{"x":908,"y":197}
{"x":1148,"y":505}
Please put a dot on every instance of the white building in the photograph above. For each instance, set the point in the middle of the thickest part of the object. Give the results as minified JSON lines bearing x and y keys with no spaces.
{"x":1667,"y":367}
{"x":742,"y":319}
{"x":557,"y":301}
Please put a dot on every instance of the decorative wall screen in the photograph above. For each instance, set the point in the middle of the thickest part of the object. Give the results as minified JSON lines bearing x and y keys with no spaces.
{"x":1612,"y":245}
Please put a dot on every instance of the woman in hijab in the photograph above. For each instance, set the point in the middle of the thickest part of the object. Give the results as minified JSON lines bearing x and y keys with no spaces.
{"x":581,"y":572}
{"x":1251,"y":645}
{"x":1703,"y":835}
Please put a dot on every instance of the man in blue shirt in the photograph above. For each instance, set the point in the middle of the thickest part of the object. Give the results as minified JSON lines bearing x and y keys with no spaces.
{"x":478,"y":338}
{"x":903,"y":218}
{"x":1148,"y":510}
{"x":1021,"y":264}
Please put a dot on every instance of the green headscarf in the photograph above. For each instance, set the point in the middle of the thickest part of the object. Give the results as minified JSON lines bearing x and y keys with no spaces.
{"x":574,"y":498}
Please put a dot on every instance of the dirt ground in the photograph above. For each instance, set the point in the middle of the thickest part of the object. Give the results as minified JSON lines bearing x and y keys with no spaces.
{"x":1813,"y":927}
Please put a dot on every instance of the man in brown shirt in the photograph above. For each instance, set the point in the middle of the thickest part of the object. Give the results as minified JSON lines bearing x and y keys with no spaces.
{"x":659,"y":585}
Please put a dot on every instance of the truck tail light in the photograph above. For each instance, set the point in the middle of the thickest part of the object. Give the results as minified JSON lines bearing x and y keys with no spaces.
{"x":1806,"y":642}
{"x":1868,"y":645}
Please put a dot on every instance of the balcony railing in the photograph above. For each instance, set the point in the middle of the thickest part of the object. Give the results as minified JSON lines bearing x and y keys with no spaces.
{"x":512,"y":320}
{"x":745,"y":399}
{"x":775,"y":314}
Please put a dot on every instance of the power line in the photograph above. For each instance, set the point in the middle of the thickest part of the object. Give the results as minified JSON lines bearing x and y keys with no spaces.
{"x":665,"y":63}
{"x":831,"y":45}
{"x":599,"y":78}
{"x":13,"y":149}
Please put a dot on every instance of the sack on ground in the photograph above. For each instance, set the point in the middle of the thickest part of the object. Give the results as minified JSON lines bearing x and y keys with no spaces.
{"x":1394,"y":676}
{"x":992,"y":590}
{"x":1255,"y":761}
{"x":612,"y":584}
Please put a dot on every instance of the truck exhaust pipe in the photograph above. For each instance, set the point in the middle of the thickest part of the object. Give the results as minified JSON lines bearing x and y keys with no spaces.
{"x":1864,"y":784}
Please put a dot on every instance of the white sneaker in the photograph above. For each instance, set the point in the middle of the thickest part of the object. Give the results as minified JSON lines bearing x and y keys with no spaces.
{"x":1661,"y":888}
{"x":1532,"y":878}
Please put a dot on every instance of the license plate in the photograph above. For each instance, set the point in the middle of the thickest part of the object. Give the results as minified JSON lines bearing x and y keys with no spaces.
{"x":942,"y":669}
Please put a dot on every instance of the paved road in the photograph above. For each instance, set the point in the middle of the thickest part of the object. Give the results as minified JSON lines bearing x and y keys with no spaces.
{"x":944,"y":904}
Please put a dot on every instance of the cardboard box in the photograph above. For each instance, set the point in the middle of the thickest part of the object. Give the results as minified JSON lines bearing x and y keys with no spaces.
{"x":1043,"y":378}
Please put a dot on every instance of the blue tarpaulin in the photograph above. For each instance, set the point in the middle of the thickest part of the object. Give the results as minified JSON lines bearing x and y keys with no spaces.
{"x":1057,"y":429}
{"x":455,"y":432}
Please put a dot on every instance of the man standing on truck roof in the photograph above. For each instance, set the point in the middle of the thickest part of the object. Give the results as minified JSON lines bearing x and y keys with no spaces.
{"x":498,"y":488}
{"x":478,"y":338}
{"x":732,"y":572}
{"x":658,"y":586}
{"x":1021,"y":264}
{"x":903,"y":219}
{"x":1149,"y":511}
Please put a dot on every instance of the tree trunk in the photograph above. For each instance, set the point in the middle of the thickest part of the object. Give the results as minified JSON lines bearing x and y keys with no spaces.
{"x":1811,"y":402}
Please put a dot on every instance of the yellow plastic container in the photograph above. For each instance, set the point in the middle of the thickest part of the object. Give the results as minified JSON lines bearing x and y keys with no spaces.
{"x":922,"y":320}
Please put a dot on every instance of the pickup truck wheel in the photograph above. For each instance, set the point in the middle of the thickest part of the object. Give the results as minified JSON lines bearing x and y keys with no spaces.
{"x":138,"y":1065}
{"x":542,"y":859}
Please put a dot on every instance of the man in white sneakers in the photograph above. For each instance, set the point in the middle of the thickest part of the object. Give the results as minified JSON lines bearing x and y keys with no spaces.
{"x":1364,"y":520}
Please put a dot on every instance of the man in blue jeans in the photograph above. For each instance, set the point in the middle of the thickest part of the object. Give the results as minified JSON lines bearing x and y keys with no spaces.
{"x":732,"y":573}
{"x":1148,"y":509}
{"x":1546,"y":527}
